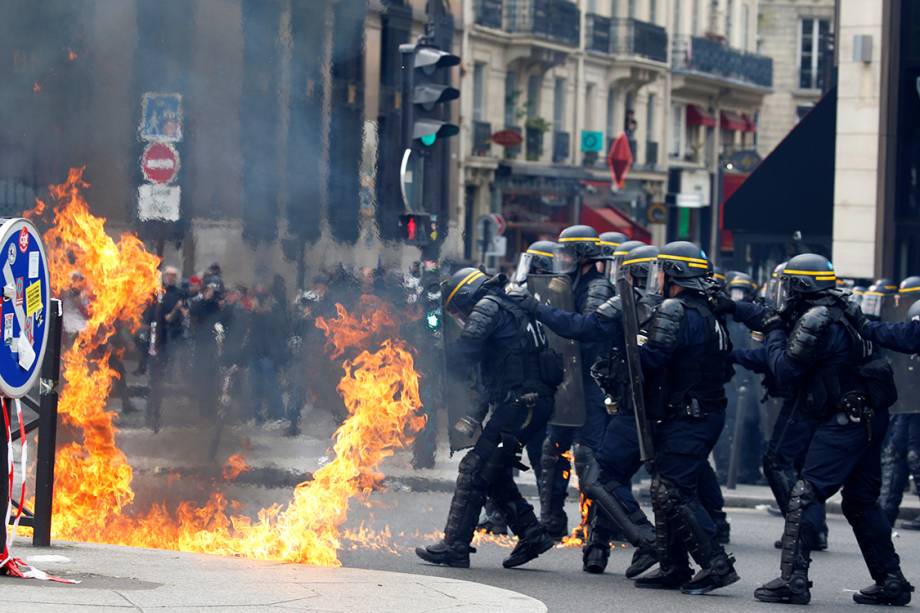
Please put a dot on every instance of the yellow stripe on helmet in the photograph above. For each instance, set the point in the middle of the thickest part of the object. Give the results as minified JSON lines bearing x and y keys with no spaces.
{"x":695,"y":265}
{"x":608,"y":243}
{"x":906,"y":290}
{"x":468,"y":278}
{"x":637,"y":261}
{"x":719,"y":276}
{"x":742,"y":282}
{"x":543,"y":253}
{"x":579,"y":239}
{"x":810,"y":273}
{"x":681,"y":258}
{"x":620,"y":252}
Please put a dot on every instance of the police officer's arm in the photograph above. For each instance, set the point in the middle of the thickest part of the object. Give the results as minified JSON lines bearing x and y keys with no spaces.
{"x":903,"y":337}
{"x":481,"y":324}
{"x":667,"y":332}
{"x":814,"y":338}
{"x":599,"y":292}
{"x":750,"y":314}
{"x":754,"y":360}
{"x":604,"y":323}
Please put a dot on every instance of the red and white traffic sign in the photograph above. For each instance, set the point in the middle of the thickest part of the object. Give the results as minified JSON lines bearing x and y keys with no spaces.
{"x":500,"y":224}
{"x":160,"y":163}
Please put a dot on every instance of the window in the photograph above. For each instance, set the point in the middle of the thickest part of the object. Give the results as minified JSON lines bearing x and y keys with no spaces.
{"x":813,"y":52}
{"x":678,"y":123}
{"x":511,"y":96}
{"x":611,"y":113}
{"x":650,"y":118}
{"x":479,"y":70}
{"x":534,"y":83}
{"x":629,"y":116}
{"x":559,"y":105}
{"x":745,"y":27}
{"x":652,"y":11}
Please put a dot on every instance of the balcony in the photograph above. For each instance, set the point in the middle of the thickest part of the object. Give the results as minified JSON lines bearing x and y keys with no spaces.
{"x":556,"y":21}
{"x":597,"y":33}
{"x":488,"y":13}
{"x":698,"y":55}
{"x":626,"y":37}
{"x":562,"y":146}
{"x":482,"y":138}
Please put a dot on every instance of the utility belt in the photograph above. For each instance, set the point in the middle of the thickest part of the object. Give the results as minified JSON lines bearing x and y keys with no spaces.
{"x":854,"y":408}
{"x":692,"y":408}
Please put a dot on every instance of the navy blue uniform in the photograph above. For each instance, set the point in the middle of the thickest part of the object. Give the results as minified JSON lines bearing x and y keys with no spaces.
{"x":901,"y":336}
{"x":900,"y":457}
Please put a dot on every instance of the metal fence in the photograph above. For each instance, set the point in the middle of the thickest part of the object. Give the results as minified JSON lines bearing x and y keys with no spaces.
{"x":712,"y":57}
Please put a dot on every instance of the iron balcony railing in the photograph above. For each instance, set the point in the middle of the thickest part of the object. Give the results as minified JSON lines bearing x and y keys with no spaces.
{"x":702,"y":55}
{"x":597,"y":33}
{"x":554,"y":20}
{"x":488,"y":13}
{"x":627,"y":37}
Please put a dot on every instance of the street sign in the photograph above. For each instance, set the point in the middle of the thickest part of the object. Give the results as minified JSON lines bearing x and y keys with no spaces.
{"x":160,"y":163}
{"x":158,"y":202}
{"x":498,"y":247}
{"x":508,"y":138}
{"x":499,"y":222}
{"x":619,"y":160}
{"x":591,"y":141}
{"x":26,"y":298}
{"x":161,"y":117}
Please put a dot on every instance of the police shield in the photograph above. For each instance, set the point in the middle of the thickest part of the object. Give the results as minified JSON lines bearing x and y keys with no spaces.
{"x":556,"y":291}
{"x":460,"y":398}
{"x":906,"y":367}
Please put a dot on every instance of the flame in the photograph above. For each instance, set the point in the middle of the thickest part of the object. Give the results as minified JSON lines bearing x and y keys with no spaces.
{"x":93,"y":496}
{"x":235,"y":466}
{"x":71,"y":55}
{"x":36,"y":87}
{"x":579,"y":535}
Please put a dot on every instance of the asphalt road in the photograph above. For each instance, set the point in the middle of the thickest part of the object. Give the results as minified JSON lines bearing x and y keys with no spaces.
{"x":557,"y":580}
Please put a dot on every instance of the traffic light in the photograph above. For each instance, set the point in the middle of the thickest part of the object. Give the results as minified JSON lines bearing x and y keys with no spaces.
{"x":426,"y":85}
{"x":418,"y":228}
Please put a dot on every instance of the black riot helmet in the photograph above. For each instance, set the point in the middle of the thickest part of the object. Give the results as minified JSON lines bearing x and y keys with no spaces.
{"x":805,"y":276}
{"x":682,"y":263}
{"x":742,"y":287}
{"x":638,"y":262}
{"x":610,"y":242}
{"x":887,"y":285}
{"x":909,"y":287}
{"x":877,"y":298}
{"x":577,"y":245}
{"x":538,"y":259}
{"x":617,"y":257}
{"x":913,"y":313}
{"x":718,"y":277}
{"x":462,"y":290}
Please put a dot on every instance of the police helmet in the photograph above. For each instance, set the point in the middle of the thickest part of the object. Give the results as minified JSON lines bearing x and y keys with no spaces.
{"x":538,"y":259}
{"x":577,"y":244}
{"x":876,"y":298}
{"x":742,"y":287}
{"x":856,"y":294}
{"x":804,"y":276}
{"x":638,"y":262}
{"x":610,"y":241}
{"x":887,"y":285}
{"x":913,"y":312}
{"x":461,"y":291}
{"x":682,"y":263}
{"x":909,"y":285}
{"x":719,"y":277}
{"x":617,"y":257}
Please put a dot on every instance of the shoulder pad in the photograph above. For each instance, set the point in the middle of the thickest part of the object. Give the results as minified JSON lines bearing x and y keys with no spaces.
{"x":665,"y":324}
{"x":482,"y":318}
{"x":599,"y":291}
{"x":610,"y":308}
{"x":807,"y":333}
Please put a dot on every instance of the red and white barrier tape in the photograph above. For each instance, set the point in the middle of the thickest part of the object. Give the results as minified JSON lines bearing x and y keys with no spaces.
{"x":9,"y":565}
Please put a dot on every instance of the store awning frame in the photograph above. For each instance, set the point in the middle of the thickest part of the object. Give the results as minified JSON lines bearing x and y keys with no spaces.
{"x":732,"y":121}
{"x":697,"y":116}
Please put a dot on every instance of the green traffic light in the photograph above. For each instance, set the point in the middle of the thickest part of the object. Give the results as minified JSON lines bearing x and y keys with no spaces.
{"x":429,"y":139}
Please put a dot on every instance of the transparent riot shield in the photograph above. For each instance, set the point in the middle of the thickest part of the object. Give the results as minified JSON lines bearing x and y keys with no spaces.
{"x":556,"y":291}
{"x":460,"y":398}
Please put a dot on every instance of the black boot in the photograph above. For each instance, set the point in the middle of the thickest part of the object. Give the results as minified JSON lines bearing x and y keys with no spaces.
{"x":793,"y":590}
{"x":643,"y":559}
{"x":535,"y":542}
{"x":723,"y":530}
{"x":893,"y":590}
{"x":456,"y":555}
{"x":494,"y":522}
{"x":670,"y":578}
{"x":720,"y":573}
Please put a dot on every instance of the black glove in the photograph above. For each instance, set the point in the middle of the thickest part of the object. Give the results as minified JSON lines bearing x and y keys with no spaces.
{"x":523,"y":299}
{"x":721,"y":303}
{"x":772,"y":321}
{"x":856,"y":317}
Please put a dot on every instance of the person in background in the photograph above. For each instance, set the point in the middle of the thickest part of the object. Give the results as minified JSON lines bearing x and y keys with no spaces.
{"x":264,"y":343}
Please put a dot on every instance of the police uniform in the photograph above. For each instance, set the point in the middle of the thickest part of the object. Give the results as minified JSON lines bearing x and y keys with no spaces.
{"x":833,"y":377}
{"x":519,"y":373}
{"x":685,"y":360}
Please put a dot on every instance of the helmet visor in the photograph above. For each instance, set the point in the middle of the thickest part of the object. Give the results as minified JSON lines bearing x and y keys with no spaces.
{"x":523,"y":269}
{"x":783,"y":294}
{"x":655,"y":282}
{"x":737,"y":294}
{"x":871,"y":304}
{"x":566,"y":260}
{"x":612,"y":268}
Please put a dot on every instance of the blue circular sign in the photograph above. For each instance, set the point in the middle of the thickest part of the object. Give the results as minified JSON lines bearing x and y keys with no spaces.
{"x":25,"y":306}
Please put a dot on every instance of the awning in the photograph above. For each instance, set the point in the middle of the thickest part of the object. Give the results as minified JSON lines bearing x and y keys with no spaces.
{"x":751,"y":126}
{"x":793,"y":188}
{"x":611,"y":220}
{"x":696,"y":116}
{"x":732,"y":121}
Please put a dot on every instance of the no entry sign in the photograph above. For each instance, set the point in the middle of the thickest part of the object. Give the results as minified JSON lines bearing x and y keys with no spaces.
{"x":160,"y":163}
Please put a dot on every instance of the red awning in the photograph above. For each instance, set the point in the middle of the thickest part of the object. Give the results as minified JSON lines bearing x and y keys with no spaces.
{"x":733,"y":121}
{"x":611,"y":220}
{"x":751,"y":126}
{"x":696,"y":116}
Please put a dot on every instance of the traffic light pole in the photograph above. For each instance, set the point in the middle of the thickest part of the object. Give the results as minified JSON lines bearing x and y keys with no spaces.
{"x":407,"y":53}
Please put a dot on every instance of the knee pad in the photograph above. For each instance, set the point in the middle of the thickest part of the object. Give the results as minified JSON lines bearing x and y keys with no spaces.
{"x":802,"y":495}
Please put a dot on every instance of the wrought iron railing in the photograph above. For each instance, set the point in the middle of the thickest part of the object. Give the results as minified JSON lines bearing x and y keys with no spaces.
{"x":703,"y":55}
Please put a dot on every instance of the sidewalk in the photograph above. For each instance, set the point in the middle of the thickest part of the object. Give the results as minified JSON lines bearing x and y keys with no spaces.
{"x":121,"y":578}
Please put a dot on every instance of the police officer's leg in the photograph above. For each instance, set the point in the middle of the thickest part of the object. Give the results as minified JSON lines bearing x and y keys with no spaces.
{"x":713,"y":501}
{"x":913,"y":460}
{"x":555,"y":470}
{"x":784,"y":446}
{"x":894,"y":467}
{"x":870,"y":526}
{"x":618,"y":459}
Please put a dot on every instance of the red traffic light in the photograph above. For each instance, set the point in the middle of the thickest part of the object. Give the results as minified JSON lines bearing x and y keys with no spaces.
{"x":410,"y":229}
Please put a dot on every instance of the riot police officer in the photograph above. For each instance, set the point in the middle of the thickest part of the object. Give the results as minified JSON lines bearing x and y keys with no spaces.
{"x":580,"y":256}
{"x":832,"y":375}
{"x":611,"y":241}
{"x":519,"y":373}
{"x":685,"y":362}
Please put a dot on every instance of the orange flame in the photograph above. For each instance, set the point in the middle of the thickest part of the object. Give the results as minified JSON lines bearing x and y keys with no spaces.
{"x":71,"y":55}
{"x":93,"y":496}
{"x":36,"y":87}
{"x":235,"y":466}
